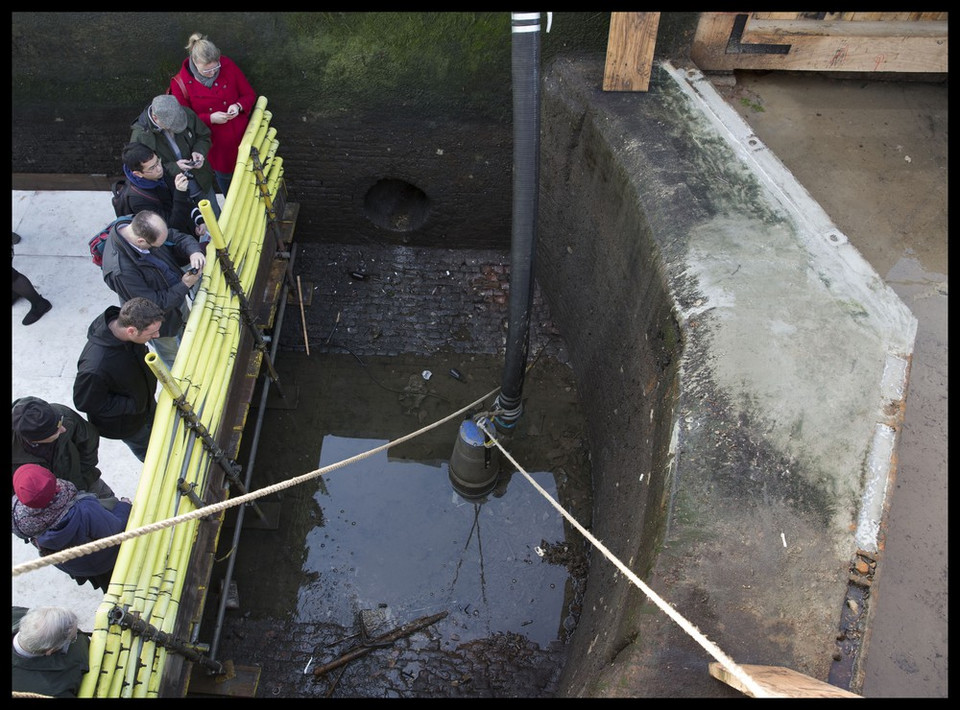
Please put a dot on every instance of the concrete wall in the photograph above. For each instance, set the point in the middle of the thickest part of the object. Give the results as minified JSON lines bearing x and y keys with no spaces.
{"x":741,"y":367}
{"x":600,"y":270}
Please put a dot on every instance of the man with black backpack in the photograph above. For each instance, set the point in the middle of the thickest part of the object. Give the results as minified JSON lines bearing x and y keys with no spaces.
{"x":148,"y":187}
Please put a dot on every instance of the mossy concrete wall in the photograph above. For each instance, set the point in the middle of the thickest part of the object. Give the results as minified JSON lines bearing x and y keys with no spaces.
{"x":741,"y":368}
{"x":415,"y":99}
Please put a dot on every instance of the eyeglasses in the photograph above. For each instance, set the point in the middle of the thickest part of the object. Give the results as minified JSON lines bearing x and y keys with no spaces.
{"x":209,"y":70}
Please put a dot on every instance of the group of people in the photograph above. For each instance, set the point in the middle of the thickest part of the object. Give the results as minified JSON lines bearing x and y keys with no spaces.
{"x":182,"y":149}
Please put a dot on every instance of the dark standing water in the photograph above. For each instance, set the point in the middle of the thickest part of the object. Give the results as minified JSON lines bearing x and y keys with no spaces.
{"x":395,"y":536}
{"x":386,"y":540}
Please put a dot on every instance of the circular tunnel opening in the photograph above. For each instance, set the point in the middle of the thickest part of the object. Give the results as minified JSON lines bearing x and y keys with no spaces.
{"x":396,"y":205}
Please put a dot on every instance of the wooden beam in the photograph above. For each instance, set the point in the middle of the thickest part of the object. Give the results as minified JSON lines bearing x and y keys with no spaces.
{"x":856,"y":46}
{"x":780,"y":682}
{"x":725,"y":41}
{"x":757,"y":30}
{"x":630,"y":44}
{"x":237,"y":682}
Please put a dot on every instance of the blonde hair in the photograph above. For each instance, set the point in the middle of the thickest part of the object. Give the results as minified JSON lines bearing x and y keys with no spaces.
{"x":201,"y":49}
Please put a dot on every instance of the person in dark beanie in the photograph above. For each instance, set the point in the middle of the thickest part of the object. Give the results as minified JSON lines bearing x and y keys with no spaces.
{"x":115,"y":387}
{"x":182,"y":141}
{"x":50,"y":655}
{"x":52,"y":515}
{"x":58,"y":438}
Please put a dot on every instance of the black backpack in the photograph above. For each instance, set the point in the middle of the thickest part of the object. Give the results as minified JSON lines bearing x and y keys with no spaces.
{"x":120,"y":196}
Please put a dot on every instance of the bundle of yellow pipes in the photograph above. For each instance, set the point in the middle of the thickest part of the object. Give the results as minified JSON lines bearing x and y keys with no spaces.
{"x":151,"y":569}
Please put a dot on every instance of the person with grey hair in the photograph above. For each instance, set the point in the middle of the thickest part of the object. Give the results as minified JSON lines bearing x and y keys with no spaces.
{"x":146,"y":258}
{"x":182,"y":141}
{"x":50,"y":655}
{"x":218,"y":92}
{"x":114,"y":385}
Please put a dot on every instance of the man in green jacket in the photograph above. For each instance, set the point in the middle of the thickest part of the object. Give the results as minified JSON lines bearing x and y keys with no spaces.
{"x":50,"y":654}
{"x":182,"y":141}
{"x":58,"y":438}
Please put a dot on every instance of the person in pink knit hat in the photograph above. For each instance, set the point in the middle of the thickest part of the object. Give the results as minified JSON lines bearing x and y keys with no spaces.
{"x":52,"y":515}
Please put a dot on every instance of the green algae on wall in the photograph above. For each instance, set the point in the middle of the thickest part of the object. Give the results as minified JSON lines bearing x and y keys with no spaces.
{"x":322,"y":63}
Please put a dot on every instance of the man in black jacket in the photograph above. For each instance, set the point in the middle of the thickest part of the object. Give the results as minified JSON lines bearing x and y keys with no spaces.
{"x":146,"y":258}
{"x":114,"y":386}
{"x":150,"y":188}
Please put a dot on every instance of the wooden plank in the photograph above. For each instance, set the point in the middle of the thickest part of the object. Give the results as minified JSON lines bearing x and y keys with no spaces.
{"x":58,"y":181}
{"x":630,"y":44}
{"x":237,"y":682}
{"x":727,"y":41}
{"x":780,"y":682}
{"x":855,"y":46}
{"x":792,"y":31}
{"x":710,"y":41}
{"x":777,"y":15}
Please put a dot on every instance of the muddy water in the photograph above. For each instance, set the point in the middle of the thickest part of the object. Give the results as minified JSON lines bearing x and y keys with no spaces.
{"x":385,"y":541}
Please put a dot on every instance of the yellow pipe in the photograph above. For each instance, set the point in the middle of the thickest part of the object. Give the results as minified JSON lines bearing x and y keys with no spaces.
{"x":216,"y":236}
{"x":148,"y":577}
{"x":163,"y":375}
{"x":98,"y":643}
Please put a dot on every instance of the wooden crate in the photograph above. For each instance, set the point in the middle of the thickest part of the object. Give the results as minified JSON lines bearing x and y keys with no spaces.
{"x":848,"y":42}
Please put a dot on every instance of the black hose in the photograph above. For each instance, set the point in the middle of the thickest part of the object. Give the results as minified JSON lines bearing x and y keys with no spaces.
{"x":525,"y":51}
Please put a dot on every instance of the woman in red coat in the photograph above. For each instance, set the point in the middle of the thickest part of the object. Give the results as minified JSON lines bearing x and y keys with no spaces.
{"x":218,"y":92}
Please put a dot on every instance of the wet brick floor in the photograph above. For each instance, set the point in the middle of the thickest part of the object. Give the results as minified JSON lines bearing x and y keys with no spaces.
{"x":388,"y":301}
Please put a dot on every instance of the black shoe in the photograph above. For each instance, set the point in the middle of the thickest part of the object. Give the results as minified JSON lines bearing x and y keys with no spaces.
{"x":16,"y":238}
{"x":36,"y":313}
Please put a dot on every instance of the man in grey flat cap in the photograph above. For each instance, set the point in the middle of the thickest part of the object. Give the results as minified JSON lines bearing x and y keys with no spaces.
{"x":182,"y":141}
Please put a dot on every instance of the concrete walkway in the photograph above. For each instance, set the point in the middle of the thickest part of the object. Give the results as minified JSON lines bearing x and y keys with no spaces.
{"x":53,"y":254}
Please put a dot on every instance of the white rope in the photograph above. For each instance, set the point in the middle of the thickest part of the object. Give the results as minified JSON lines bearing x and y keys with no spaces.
{"x":80,"y":550}
{"x":692,"y":630}
{"x":105,"y":542}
